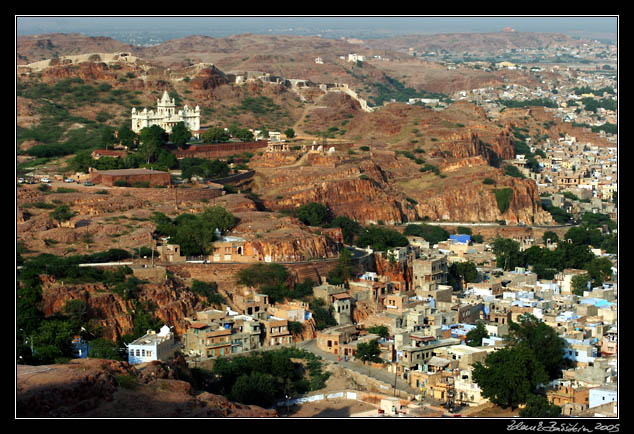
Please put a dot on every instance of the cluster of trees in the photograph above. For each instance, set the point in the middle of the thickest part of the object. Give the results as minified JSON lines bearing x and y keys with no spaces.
{"x":518,"y":373}
{"x":431,"y":234}
{"x":316,"y":214}
{"x":204,"y":168}
{"x":546,"y":263}
{"x":209,"y":290}
{"x":573,"y":251}
{"x":195,"y":233}
{"x":379,"y":238}
{"x":222,"y":135}
{"x":262,"y":378}
{"x":344,"y":269}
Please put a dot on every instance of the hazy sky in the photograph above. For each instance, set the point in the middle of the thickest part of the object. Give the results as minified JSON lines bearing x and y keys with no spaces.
{"x":327,"y":26}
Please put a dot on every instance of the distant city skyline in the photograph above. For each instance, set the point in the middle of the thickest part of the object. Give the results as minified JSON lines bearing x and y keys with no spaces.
{"x":169,"y":27}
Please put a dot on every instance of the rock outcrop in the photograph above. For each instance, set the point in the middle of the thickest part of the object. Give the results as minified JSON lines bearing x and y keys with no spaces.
{"x":96,"y":388}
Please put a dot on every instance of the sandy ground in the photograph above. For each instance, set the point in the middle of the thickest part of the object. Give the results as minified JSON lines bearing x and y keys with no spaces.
{"x":334,"y":408}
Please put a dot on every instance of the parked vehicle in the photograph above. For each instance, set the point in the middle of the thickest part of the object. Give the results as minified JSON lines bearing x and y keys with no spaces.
{"x":69,"y":180}
{"x":46,"y":180}
{"x":88,"y":184}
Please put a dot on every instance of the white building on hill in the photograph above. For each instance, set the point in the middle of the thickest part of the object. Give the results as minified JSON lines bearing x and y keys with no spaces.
{"x":166,"y":116}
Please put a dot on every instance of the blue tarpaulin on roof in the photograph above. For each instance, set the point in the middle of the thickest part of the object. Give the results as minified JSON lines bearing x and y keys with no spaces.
{"x":461,"y":238}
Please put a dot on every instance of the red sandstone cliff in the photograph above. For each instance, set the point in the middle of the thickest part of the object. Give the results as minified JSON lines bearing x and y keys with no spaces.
{"x":111,"y":313}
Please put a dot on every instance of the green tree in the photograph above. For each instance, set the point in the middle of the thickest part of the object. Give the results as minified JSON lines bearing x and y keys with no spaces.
{"x":380,"y":330}
{"x":195,"y":233}
{"x":180,"y":134}
{"x":343,"y":271}
{"x":537,"y":406}
{"x":503,"y":196}
{"x":580,"y":283}
{"x":542,"y":340}
{"x":215,"y":135}
{"x":460,"y":273}
{"x":241,"y":133}
{"x":475,"y":336}
{"x":290,"y":133}
{"x":380,"y":239}
{"x":599,"y":269}
{"x":153,"y":139}
{"x":578,"y":236}
{"x":369,"y":351}
{"x":431,"y":234}
{"x":322,"y":315}
{"x":219,"y":218}
{"x":509,"y":376}
{"x":349,"y":228}
{"x":81,"y":162}
{"x":209,"y":290}
{"x":127,"y":137}
{"x":313,"y":214}
{"x":166,"y":160}
{"x":550,"y":235}
{"x":507,"y":253}
{"x":108,"y":137}
{"x":62,"y":213}
{"x":101,"y":348}
{"x":53,"y":340}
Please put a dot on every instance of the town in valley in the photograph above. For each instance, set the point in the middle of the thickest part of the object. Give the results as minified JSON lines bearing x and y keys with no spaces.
{"x":301,"y":224}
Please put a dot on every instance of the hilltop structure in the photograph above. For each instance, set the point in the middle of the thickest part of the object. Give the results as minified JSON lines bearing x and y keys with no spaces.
{"x":166,"y":116}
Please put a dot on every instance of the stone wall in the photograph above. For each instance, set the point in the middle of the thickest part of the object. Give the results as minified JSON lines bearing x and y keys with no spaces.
{"x":221,"y":149}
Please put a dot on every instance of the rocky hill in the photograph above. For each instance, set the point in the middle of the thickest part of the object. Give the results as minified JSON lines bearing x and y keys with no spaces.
{"x":96,"y":388}
{"x":474,"y":42}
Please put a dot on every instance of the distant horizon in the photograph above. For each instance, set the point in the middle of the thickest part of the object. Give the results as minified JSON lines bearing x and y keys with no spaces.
{"x":332,"y":27}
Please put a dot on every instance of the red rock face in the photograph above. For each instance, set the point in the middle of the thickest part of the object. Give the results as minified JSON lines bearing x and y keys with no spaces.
{"x":111,"y":312}
{"x":85,"y":71}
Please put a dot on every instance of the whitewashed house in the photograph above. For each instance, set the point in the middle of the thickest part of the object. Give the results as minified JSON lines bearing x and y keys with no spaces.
{"x":153,"y":346}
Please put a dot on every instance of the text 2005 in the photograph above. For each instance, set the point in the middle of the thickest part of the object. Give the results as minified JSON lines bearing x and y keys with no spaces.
{"x":607,"y":428}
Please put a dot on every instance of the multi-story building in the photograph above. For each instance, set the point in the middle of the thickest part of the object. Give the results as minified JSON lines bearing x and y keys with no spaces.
{"x":429,"y":272}
{"x":276,"y":332}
